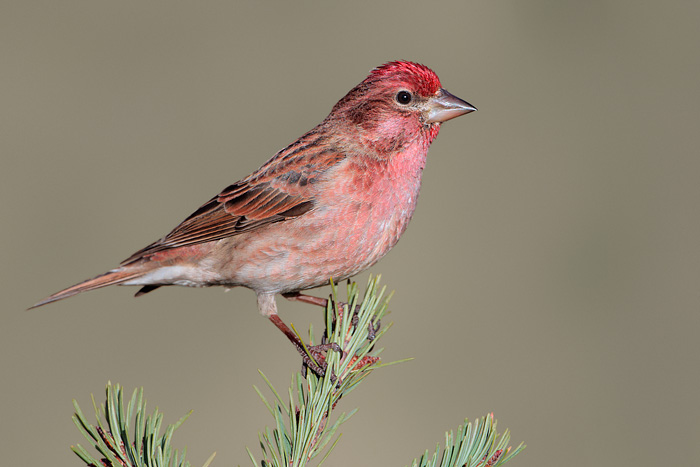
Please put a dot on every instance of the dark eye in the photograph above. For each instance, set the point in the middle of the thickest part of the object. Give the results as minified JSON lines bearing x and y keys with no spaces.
{"x":403,"y":97}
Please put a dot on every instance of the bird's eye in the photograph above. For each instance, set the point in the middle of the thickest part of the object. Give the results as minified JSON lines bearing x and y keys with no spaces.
{"x":404,"y":97}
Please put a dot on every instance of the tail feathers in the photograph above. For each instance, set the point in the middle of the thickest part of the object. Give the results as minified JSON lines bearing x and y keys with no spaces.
{"x":116,"y":276}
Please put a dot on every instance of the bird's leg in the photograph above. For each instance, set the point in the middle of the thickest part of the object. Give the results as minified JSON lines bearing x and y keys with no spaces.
{"x":323,"y":302}
{"x":310,"y":299}
{"x":312,"y":356}
{"x":314,"y":359}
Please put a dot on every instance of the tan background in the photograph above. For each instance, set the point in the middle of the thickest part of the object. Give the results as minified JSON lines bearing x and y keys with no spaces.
{"x":550,"y":273}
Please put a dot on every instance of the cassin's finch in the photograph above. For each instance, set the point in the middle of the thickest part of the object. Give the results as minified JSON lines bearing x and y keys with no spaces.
{"x":329,"y":205}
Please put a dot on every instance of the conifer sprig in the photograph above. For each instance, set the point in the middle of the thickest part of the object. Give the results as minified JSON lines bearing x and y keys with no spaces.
{"x":476,"y":445}
{"x":125,"y":436}
{"x":304,"y":429}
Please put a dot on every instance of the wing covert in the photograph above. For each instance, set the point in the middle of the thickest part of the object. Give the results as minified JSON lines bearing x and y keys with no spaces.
{"x":282,"y":189}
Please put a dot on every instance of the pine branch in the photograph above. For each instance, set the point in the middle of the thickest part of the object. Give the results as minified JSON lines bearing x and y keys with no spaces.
{"x":300,"y":422}
{"x":475,"y":445}
{"x":125,"y":436}
{"x":302,"y":430}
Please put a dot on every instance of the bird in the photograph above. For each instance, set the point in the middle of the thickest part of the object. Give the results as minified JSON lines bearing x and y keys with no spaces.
{"x":327,"y":206}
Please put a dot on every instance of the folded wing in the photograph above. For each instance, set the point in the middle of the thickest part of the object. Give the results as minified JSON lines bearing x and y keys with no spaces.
{"x":282,"y":189}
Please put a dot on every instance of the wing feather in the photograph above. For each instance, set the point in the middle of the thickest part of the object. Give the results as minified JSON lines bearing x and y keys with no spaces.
{"x":281,"y":189}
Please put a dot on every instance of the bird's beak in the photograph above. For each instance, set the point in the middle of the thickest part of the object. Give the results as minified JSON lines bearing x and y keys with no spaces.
{"x":444,"y":106}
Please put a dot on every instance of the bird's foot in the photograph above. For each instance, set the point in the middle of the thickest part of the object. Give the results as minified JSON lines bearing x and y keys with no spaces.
{"x":315,"y":359}
{"x":313,"y":356}
{"x":372,"y":328}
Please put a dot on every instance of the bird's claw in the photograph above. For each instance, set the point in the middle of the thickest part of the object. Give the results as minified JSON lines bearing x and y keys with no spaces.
{"x":372,"y":328}
{"x":315,"y":359}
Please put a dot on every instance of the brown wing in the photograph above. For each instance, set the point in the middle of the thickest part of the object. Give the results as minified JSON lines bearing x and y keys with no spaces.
{"x":281,"y":189}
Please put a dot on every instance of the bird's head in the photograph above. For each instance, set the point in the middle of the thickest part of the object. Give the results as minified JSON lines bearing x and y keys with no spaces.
{"x":397,"y":103}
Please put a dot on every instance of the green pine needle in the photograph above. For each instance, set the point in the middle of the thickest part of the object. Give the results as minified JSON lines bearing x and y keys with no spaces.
{"x":307,"y":416}
{"x":120,"y":445}
{"x":126,"y":436}
{"x":477,"y":445}
{"x":304,"y":421}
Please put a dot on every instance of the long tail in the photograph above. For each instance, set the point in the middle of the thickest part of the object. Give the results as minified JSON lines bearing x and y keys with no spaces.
{"x":116,"y":276}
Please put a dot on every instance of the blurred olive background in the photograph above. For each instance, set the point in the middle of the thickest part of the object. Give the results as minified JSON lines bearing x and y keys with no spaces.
{"x":550,"y":273}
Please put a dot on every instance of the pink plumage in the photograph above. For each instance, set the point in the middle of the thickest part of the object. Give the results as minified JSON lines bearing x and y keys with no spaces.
{"x":330,"y":204}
